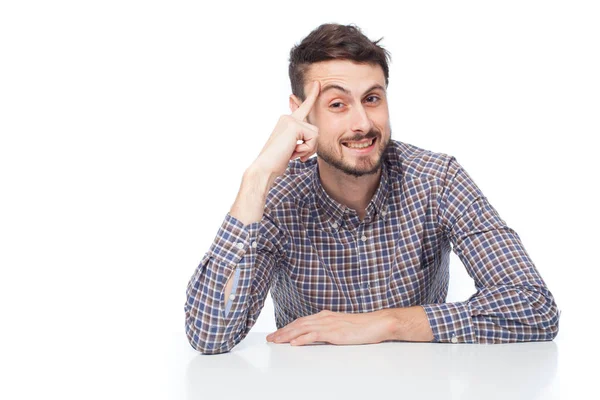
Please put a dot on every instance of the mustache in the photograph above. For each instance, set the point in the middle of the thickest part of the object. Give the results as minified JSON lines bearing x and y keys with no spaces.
{"x":373,"y":133}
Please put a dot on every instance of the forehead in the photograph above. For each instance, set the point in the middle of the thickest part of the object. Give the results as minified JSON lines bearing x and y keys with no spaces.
{"x":352,"y":75}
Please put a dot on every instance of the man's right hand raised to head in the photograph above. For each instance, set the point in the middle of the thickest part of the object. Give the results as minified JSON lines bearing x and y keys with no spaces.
{"x":281,"y":147}
{"x":272,"y":162}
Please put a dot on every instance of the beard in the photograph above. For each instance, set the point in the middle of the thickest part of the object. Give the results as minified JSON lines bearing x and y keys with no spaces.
{"x":359,"y":165}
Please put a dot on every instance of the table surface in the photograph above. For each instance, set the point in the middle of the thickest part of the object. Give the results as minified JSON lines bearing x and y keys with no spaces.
{"x":423,"y":370}
{"x":160,"y":364}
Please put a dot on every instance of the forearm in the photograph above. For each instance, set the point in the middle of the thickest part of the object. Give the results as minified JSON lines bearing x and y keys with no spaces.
{"x":215,"y":322}
{"x":209,"y":327}
{"x":250,"y":201}
{"x":249,"y":204}
{"x":407,"y":324}
{"x":503,"y":314}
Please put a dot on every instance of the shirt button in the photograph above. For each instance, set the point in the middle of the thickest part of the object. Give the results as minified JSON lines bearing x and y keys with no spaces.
{"x":240,"y":245}
{"x":363,"y":238}
{"x":254,"y":244}
{"x":384,"y":213}
{"x":231,"y":296}
{"x":334,"y":225}
{"x":454,"y":339}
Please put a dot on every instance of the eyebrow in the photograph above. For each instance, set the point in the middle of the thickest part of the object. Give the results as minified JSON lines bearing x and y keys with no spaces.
{"x":348,"y":92}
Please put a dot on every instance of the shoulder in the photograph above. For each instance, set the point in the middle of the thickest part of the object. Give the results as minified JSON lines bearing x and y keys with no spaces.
{"x":410,"y":161}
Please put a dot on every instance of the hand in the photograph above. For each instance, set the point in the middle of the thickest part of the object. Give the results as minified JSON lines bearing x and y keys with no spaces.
{"x":283,"y":146}
{"x":335,"y":328}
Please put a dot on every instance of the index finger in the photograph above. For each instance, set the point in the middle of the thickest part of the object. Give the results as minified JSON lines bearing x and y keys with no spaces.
{"x":302,"y":111}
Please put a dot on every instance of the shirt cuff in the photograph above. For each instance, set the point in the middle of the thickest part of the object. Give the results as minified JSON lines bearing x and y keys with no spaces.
{"x":233,"y":239}
{"x":451,"y":322}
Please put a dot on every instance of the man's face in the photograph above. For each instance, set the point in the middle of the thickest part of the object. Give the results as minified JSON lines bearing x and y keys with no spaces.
{"x":350,"y":112}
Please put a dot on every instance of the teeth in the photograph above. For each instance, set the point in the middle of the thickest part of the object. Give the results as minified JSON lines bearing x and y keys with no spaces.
{"x":359,"y":145}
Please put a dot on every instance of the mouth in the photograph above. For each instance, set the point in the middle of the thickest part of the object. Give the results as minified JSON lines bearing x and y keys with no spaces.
{"x":361,"y":146}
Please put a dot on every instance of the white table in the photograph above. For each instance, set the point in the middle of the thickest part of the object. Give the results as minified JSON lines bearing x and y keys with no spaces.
{"x":160,"y":364}
{"x":378,"y":371}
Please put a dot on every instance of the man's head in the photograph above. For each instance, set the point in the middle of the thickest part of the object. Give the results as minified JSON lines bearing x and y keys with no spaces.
{"x":352,"y":104}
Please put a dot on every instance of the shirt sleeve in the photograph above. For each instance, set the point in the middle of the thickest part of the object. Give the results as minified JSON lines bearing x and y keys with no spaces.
{"x":512,"y":302}
{"x":247,"y":253}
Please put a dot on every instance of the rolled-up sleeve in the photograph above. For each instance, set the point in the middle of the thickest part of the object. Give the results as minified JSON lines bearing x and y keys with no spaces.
{"x":512,"y":302}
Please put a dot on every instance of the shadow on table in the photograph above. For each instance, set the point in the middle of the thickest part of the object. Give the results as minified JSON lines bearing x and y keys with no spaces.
{"x":454,"y":371}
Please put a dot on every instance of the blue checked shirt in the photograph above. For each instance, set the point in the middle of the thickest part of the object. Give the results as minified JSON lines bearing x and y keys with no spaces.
{"x":314,"y":253}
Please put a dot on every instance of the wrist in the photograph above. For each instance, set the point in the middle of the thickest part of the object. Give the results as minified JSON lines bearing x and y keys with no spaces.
{"x":260,"y":176}
{"x":250,"y":202}
{"x":408,"y":324}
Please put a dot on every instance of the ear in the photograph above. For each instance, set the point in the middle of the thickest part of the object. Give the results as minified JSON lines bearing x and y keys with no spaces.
{"x":294,"y":102}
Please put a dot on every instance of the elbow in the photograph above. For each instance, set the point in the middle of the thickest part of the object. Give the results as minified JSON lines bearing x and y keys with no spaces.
{"x":540,"y":314}
{"x":204,"y":346}
{"x":207,"y":348}
{"x":549,"y":317}
{"x":552,"y":323}
{"x":206,"y":343}
{"x":208,"y":332}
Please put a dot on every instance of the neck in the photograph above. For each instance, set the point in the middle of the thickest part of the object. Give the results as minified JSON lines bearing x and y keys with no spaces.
{"x":351,"y":191}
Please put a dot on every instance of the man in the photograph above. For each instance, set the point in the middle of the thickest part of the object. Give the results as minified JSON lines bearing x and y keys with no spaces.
{"x":354,"y":243}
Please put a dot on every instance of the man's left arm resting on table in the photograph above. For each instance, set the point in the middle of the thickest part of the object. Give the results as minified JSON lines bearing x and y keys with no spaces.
{"x":512,"y":302}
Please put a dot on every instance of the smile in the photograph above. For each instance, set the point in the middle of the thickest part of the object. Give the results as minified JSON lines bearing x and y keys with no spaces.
{"x":363,"y":144}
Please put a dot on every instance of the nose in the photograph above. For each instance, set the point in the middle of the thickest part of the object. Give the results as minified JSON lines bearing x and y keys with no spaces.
{"x":360,"y":120}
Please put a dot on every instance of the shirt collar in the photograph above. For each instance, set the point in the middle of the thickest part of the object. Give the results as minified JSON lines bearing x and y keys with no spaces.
{"x":340,"y":214}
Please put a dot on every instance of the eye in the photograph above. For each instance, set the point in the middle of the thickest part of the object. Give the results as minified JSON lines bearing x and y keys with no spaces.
{"x":333,"y":104}
{"x":373,"y":97}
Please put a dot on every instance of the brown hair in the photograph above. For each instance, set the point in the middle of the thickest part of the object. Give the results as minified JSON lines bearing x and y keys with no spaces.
{"x":334,"y":42}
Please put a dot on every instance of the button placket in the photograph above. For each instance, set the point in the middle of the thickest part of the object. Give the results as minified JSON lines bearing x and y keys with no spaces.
{"x":361,"y":238}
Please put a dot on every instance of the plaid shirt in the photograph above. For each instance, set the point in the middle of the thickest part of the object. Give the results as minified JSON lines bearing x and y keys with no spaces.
{"x":314,"y":253}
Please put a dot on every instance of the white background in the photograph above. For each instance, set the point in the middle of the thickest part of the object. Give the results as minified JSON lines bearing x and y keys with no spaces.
{"x":126,"y":126}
